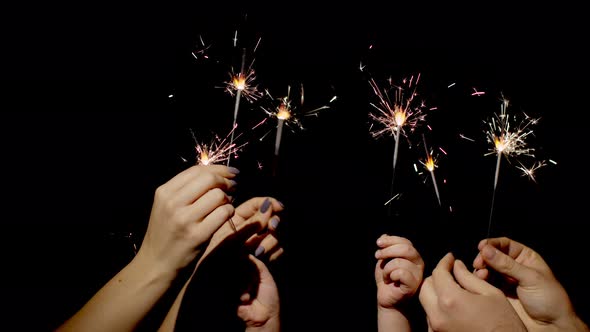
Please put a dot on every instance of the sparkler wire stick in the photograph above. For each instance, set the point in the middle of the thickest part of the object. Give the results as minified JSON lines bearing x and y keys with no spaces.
{"x":494,"y":192}
{"x":279,"y":134}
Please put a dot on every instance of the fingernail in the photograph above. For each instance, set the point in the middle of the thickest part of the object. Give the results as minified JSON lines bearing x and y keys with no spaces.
{"x":232,"y":183}
{"x":274,"y":222}
{"x":489,"y":252}
{"x":233,"y":170}
{"x":281,"y":203}
{"x":377,"y":253}
{"x":259,"y":251}
{"x":379,"y":242}
{"x":265,"y":205}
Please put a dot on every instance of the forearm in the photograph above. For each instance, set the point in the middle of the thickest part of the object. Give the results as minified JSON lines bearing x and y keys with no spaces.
{"x":573,"y":324}
{"x":391,"y":320}
{"x":124,"y":301}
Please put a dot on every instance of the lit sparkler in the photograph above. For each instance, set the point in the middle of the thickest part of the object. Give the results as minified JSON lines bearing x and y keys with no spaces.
{"x":430,"y":163}
{"x":399,"y":112}
{"x":242,"y":84}
{"x":508,"y":137}
{"x":289,"y":114}
{"x":218,"y":150}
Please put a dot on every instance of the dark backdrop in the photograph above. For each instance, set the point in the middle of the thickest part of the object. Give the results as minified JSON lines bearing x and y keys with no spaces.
{"x":100,"y":98}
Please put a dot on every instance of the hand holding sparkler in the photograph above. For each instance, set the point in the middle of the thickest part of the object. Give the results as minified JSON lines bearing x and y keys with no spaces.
{"x":541,"y":301}
{"x":187,"y":211}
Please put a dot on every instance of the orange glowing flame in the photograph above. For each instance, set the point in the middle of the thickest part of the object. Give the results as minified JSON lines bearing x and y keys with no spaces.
{"x":239,"y":81}
{"x":204,"y":159}
{"x":283,"y":112}
{"x":429,"y":164}
{"x":399,"y":116}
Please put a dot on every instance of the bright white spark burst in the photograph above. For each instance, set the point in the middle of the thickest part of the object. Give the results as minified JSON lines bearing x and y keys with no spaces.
{"x":218,"y":150}
{"x":284,"y":109}
{"x":508,"y":135}
{"x":243,"y":82}
{"x":530,"y":172}
{"x":397,"y":108}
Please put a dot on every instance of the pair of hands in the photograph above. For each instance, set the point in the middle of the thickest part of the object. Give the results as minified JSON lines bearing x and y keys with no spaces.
{"x":190,"y":217}
{"x":456,"y":299}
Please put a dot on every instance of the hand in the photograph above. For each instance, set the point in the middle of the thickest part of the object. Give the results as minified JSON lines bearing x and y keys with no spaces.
{"x":256,"y":219}
{"x":467,"y":304}
{"x":187,"y":210}
{"x":260,"y":304}
{"x":398,"y":272}
{"x":541,"y":302}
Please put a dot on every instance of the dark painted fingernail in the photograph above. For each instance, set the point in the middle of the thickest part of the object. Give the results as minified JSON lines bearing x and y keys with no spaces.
{"x":233,"y":170}
{"x":232,"y":183}
{"x":259,"y":251}
{"x":281,"y":203}
{"x":274,"y":222}
{"x":264,"y":207}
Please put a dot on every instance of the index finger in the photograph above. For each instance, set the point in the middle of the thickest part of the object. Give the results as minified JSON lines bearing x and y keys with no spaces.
{"x":442,"y":278}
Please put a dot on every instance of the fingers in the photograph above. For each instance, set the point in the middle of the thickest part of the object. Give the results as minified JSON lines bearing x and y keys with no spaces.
{"x":401,"y":250}
{"x":507,"y":266}
{"x":471,"y":282}
{"x":196,"y":187}
{"x":441,"y":276}
{"x":429,"y":299}
{"x":258,"y":220}
{"x":388,"y":240}
{"x":213,"y":222}
{"x":267,"y":246}
{"x":254,"y":205}
{"x":184,"y":177}
{"x":198,"y":210}
{"x":397,"y":269}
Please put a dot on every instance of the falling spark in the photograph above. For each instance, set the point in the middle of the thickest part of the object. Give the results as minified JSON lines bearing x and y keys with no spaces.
{"x":530,"y":172}
{"x":508,"y":138}
{"x":201,"y":51}
{"x":218,"y":150}
{"x":466,"y":138}
{"x":289,"y":114}
{"x":451,"y":85}
{"x":392,"y":198}
{"x":397,"y":114}
{"x":477,"y":93}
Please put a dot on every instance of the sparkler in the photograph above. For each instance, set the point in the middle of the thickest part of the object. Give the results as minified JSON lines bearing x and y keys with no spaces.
{"x":218,"y":150}
{"x":289,"y":114}
{"x":430,"y":165}
{"x":242,"y":84}
{"x":398,"y":112}
{"x":508,"y":137}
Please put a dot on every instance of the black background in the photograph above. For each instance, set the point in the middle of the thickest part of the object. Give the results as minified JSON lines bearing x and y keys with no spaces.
{"x":99,"y":100}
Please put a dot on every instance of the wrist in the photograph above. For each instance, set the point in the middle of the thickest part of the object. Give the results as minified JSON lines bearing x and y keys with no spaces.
{"x":572,"y":323}
{"x":271,"y":325}
{"x":153,"y":272}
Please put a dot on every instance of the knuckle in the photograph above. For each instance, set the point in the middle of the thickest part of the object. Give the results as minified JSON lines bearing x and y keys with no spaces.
{"x":447,"y":302}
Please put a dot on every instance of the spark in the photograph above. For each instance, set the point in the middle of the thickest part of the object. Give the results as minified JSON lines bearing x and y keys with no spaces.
{"x":201,"y":51}
{"x":289,"y":114}
{"x":218,"y":150}
{"x":507,"y":136}
{"x":451,"y":85}
{"x":477,"y":93}
{"x":530,"y":172}
{"x":260,"y":165}
{"x":398,"y":112}
{"x":466,"y":138}
{"x":396,"y":196}
{"x":430,"y":163}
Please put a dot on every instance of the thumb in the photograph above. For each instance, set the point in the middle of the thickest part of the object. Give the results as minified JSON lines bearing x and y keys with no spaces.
{"x":471,"y":282}
{"x":507,"y":266}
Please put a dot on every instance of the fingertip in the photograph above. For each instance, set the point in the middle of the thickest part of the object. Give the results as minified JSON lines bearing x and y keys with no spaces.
{"x":245,"y":297}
